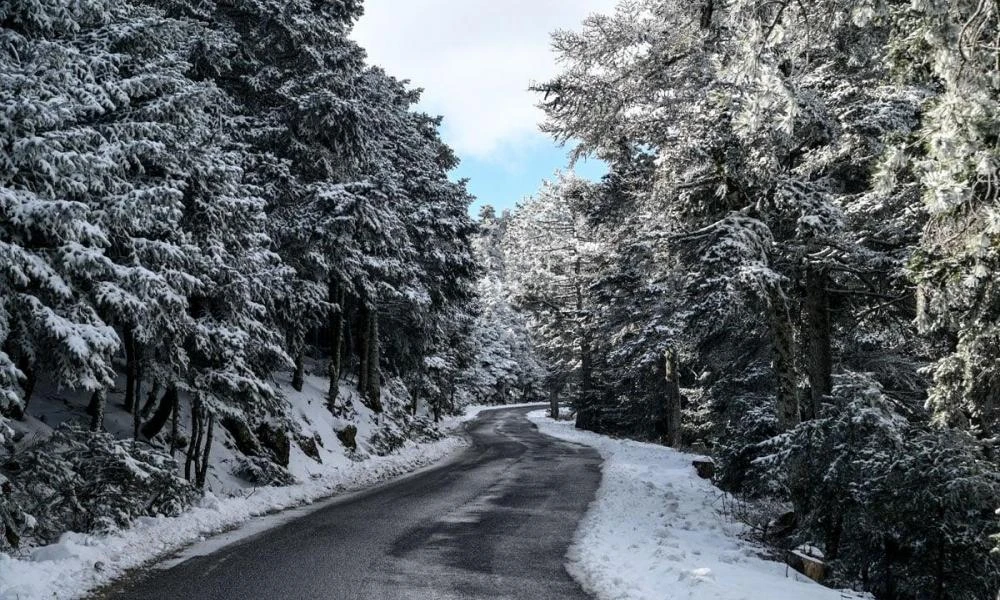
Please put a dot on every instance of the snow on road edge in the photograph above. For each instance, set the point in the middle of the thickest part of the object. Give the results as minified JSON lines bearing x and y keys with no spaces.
{"x":653,"y":529}
{"x":80,"y":563}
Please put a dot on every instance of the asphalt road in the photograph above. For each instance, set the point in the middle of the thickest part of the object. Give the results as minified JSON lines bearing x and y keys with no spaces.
{"x":494,"y":523}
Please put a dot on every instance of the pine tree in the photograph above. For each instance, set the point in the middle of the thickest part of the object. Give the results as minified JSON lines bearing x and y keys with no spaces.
{"x":950,"y":49}
{"x":551,"y":253}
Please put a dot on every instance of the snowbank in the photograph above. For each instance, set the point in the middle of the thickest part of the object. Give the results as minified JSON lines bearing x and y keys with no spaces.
{"x":80,"y":563}
{"x":471,"y":412}
{"x":654,"y":532}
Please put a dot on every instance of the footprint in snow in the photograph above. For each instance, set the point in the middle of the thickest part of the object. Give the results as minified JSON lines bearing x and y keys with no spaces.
{"x":697,"y":575}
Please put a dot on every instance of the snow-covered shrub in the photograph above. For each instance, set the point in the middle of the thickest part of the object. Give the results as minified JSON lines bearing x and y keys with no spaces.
{"x":262,"y":471}
{"x":387,"y":439}
{"x":13,"y":520}
{"x":398,"y":426}
{"x":898,"y":506}
{"x":78,"y":480}
{"x":745,"y":415}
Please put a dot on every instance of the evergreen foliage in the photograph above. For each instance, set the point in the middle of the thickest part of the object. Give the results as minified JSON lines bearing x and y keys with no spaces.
{"x":88,"y":482}
{"x":790,"y":263}
{"x":195,"y":195}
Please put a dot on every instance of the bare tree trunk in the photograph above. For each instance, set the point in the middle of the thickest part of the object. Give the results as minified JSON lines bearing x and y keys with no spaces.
{"x":137,"y":407}
{"x":782,"y":340}
{"x":131,"y":369}
{"x":437,"y":405}
{"x":299,"y":375}
{"x":154,"y":393}
{"x":203,"y":471}
{"x":339,"y":296}
{"x":194,"y":444}
{"x":97,"y":402}
{"x":817,"y":341}
{"x":374,"y":372}
{"x":585,"y":413}
{"x":175,"y":415}
{"x":554,"y":401}
{"x":673,"y":399}
{"x":585,"y":417}
{"x":136,"y":418}
{"x":347,"y":357}
{"x":363,"y":352}
{"x":93,"y":405}
{"x":155,"y":424}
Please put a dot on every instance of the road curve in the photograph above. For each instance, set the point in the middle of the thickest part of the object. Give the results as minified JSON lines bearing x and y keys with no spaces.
{"x":493,"y":524}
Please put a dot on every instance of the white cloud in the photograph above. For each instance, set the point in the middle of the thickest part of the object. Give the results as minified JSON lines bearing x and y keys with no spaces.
{"x":475,"y":60}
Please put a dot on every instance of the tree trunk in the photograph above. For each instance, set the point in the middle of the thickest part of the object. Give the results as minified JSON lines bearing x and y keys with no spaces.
{"x":782,"y":341}
{"x":817,"y":350}
{"x":339,"y":296}
{"x":93,"y":404}
{"x":194,"y":444}
{"x":154,"y":393}
{"x":131,"y":369}
{"x":175,"y":412}
{"x":363,"y":352}
{"x":137,"y":408}
{"x":585,"y":417}
{"x":136,"y":415}
{"x":347,"y":356}
{"x":155,"y":424}
{"x":673,"y":399}
{"x":203,"y":471}
{"x":96,"y":409}
{"x":554,"y":402}
{"x":585,"y":413}
{"x":374,"y":372}
{"x":299,"y":376}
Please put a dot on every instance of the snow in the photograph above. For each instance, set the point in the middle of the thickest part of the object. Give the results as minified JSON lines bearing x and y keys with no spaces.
{"x":79,"y":563}
{"x":654,"y":527}
{"x":473,"y":411}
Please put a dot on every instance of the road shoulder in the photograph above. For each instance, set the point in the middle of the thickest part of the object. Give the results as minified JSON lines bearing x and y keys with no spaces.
{"x":654,"y":525}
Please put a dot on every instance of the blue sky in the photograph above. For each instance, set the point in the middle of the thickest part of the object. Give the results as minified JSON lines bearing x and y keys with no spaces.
{"x":475,"y":60}
{"x":504,"y":183}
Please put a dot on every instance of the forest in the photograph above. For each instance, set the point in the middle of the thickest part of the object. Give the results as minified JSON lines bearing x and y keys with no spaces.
{"x":791,"y":265}
{"x":193,"y":197}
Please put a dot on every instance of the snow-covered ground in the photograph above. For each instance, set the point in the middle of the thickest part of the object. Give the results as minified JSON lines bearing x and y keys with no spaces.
{"x":654,"y":532}
{"x":473,"y":411}
{"x":80,"y":563}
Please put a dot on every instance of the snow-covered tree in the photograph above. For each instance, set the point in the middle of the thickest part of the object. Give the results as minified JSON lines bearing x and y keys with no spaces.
{"x":951,"y":48}
{"x":550,"y":253}
{"x":504,"y":365}
{"x":762,"y":226}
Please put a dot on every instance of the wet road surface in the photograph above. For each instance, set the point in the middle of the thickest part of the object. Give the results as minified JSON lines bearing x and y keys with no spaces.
{"x":494,"y":523}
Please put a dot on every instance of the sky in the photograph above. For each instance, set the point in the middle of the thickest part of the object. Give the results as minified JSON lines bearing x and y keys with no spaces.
{"x":475,"y":60}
